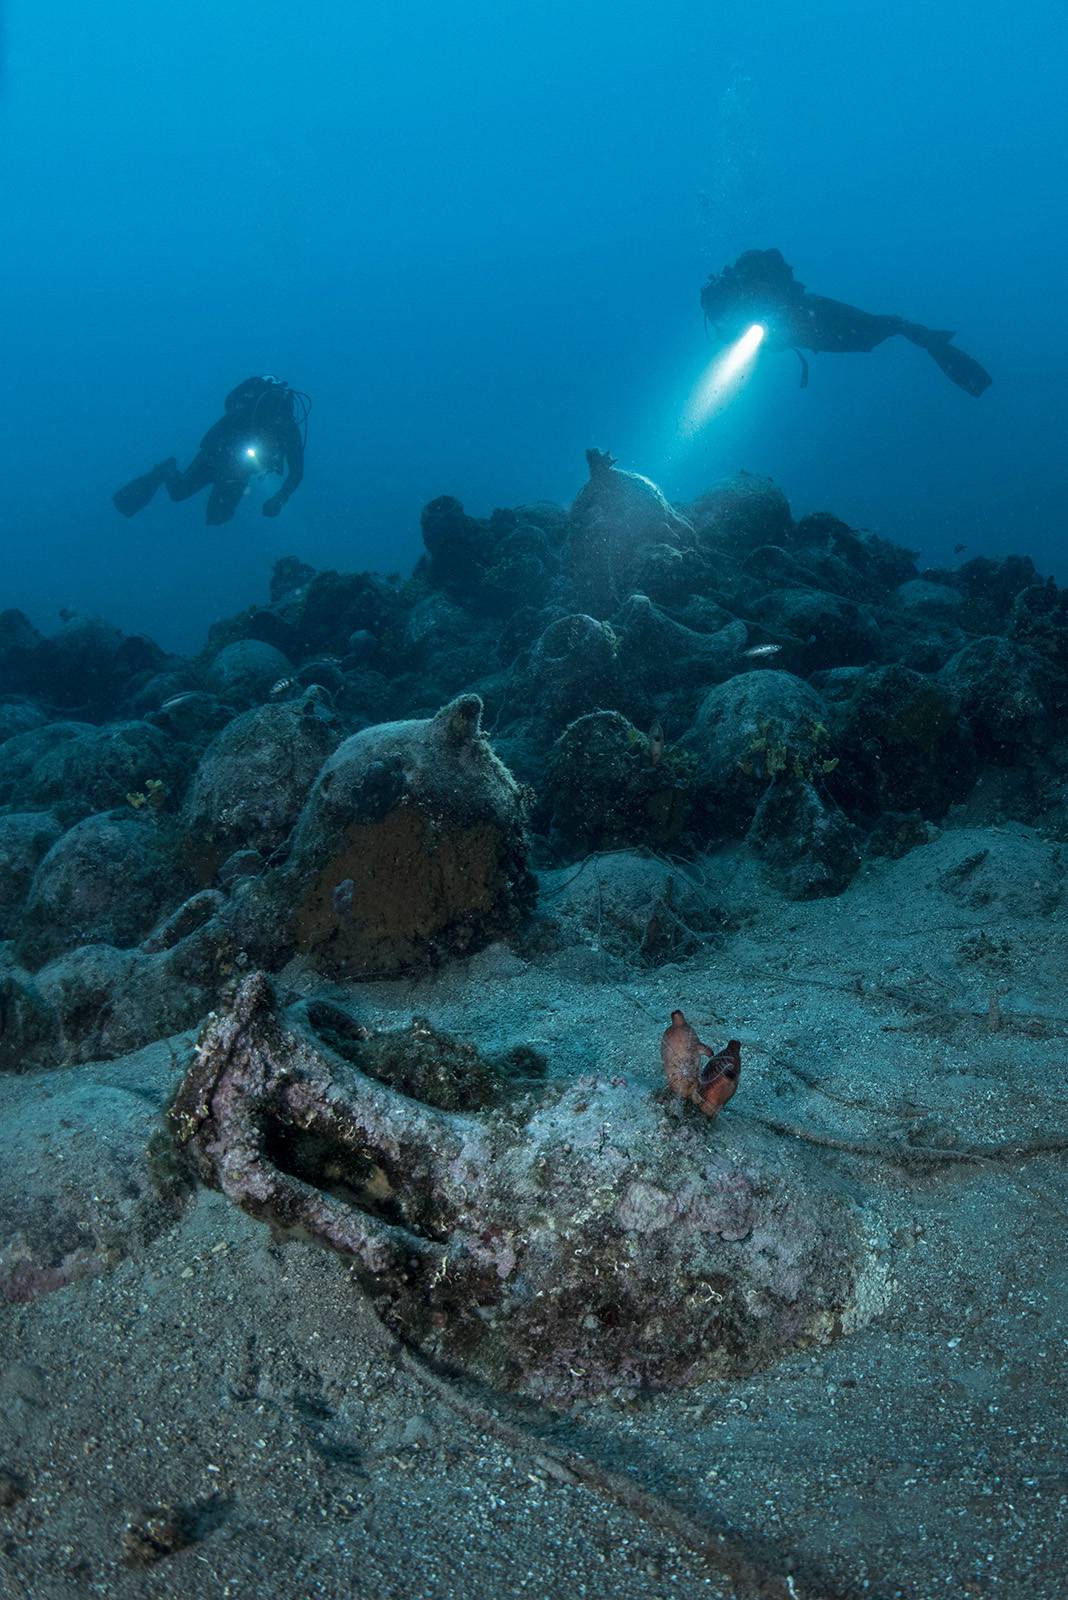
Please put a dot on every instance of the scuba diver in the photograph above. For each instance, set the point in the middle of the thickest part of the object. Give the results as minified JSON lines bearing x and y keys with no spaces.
{"x":264,"y":429}
{"x":761,"y":288}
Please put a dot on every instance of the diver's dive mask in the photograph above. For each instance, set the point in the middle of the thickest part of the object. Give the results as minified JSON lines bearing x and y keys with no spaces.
{"x":759,"y":287}
{"x":733,"y":314}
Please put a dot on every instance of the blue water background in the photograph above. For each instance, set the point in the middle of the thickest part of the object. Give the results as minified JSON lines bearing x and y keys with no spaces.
{"x":476,"y":233}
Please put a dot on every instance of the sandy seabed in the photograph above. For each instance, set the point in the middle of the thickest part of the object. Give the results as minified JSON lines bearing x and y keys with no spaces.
{"x":242,"y":1389}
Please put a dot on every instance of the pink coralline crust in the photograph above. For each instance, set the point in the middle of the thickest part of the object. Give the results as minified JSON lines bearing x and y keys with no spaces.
{"x":492,"y":1248}
{"x":723,"y":1207}
{"x":786,"y":1259}
{"x":467,"y":1168}
{"x":23,"y":1280}
{"x":645,"y":1208}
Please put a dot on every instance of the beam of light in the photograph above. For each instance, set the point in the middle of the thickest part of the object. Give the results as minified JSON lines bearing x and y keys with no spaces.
{"x":724,"y":377}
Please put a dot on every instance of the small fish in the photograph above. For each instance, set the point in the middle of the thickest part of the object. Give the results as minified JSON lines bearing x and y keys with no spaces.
{"x":959,"y":549}
{"x":179,"y":699}
{"x":656,"y":743}
{"x":283,"y":686}
{"x":343,"y":899}
{"x":758,"y":652}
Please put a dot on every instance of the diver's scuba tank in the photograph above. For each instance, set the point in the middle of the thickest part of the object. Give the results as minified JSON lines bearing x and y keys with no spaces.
{"x":253,"y":391}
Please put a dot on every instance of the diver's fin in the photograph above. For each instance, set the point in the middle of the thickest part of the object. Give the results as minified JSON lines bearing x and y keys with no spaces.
{"x":960,"y":369}
{"x":918,"y":333}
{"x":134,"y":496}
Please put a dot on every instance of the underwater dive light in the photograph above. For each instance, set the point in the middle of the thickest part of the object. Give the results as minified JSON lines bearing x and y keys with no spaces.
{"x":252,"y":452}
{"x":724,"y":375}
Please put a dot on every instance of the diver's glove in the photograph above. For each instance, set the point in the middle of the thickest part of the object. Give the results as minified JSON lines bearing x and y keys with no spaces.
{"x":273,"y":506}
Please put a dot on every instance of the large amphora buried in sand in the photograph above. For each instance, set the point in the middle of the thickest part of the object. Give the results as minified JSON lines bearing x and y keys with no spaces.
{"x":576,"y":1239}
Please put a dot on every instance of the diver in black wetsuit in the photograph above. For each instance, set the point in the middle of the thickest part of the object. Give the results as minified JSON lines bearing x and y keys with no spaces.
{"x":264,"y":429}
{"x":761,"y":287}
